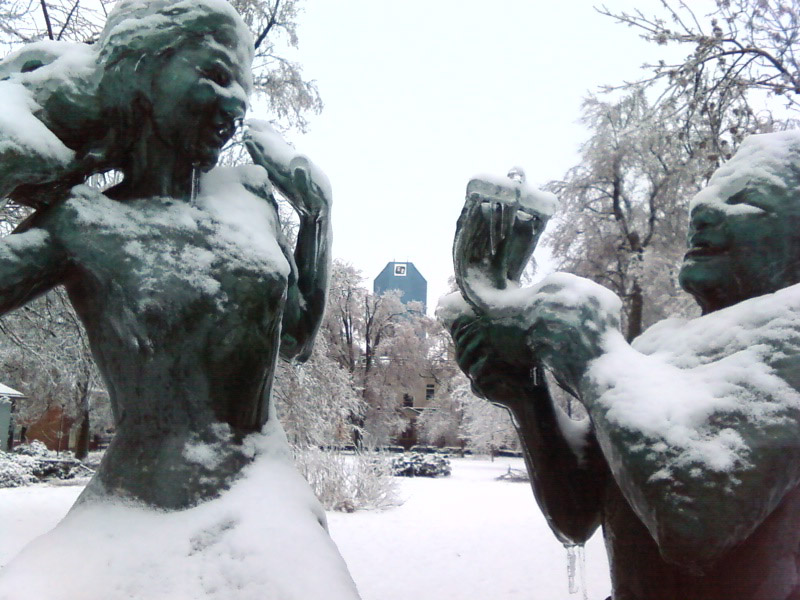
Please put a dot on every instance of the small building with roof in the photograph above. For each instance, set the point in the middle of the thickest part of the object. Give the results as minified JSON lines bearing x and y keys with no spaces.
{"x":7,"y":397}
{"x":405,"y":277}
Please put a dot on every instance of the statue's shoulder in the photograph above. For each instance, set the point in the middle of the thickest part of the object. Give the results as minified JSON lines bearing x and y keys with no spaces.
{"x":83,"y":207}
{"x":223,"y":180}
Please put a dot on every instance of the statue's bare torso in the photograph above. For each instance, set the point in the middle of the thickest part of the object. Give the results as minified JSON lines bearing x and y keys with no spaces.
{"x":178,"y":299}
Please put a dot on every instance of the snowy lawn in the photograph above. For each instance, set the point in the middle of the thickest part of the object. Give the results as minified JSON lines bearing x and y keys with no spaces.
{"x":464,"y":537}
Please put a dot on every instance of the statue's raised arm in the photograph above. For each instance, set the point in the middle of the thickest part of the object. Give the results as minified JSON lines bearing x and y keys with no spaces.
{"x":308,"y":190}
{"x":496,"y":234}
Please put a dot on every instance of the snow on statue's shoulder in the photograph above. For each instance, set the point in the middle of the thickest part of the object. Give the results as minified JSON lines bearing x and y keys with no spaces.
{"x":684,"y":384}
{"x":22,"y":134}
{"x":27,"y":78}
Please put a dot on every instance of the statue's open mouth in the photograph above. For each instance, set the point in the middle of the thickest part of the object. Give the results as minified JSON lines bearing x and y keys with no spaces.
{"x":704,"y":250}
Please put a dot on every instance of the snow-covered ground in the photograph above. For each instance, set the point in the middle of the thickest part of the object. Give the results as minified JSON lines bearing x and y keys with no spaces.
{"x":465,"y":537}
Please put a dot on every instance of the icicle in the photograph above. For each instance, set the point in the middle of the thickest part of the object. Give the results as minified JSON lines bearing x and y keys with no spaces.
{"x":576,"y":570}
{"x":195,"y":185}
{"x":492,"y":233}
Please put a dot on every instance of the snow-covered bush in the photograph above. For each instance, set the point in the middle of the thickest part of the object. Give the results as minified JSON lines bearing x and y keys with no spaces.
{"x":416,"y":464}
{"x":347,"y":482}
{"x":14,"y":472}
{"x":35,"y":448}
{"x":31,"y":463}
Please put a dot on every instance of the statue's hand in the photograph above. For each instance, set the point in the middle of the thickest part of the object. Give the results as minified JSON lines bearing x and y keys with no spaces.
{"x":296,"y":177}
{"x":494,"y":357}
{"x":567,"y":318}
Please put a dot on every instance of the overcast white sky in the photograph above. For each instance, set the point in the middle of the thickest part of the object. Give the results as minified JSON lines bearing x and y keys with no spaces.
{"x":422,"y":94}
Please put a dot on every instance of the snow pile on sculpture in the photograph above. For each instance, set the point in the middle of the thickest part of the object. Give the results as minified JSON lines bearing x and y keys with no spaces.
{"x":262,"y":539}
{"x":698,"y":373}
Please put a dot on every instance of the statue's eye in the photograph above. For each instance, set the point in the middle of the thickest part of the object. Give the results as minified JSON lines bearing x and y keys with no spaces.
{"x":218,"y":74}
{"x":739,"y":197}
{"x":749,"y":197}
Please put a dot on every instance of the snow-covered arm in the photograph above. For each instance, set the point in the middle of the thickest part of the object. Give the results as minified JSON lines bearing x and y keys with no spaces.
{"x":30,"y":265}
{"x":48,"y":121}
{"x":308,"y":190}
{"x":567,"y":478}
{"x":567,"y":475}
{"x":699,"y":423}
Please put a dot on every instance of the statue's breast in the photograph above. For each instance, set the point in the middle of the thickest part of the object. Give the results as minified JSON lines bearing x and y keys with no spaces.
{"x":168,"y":261}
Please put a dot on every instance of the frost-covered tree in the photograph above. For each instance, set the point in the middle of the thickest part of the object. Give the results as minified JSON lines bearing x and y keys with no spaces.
{"x":737,"y":53}
{"x":344,"y":318}
{"x":277,"y":78}
{"x":623,"y":211}
{"x":316,"y":400}
{"x":440,"y":423}
{"x":386,"y":345}
{"x":44,"y":353}
{"x":485,"y":427}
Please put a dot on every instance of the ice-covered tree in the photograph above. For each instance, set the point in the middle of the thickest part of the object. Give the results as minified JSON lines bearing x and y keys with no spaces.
{"x":624,"y":206}
{"x":316,"y":400}
{"x":291,"y":97}
{"x":440,"y":423}
{"x":344,"y":319}
{"x":740,"y":55}
{"x":44,"y":353}
{"x":485,"y":427}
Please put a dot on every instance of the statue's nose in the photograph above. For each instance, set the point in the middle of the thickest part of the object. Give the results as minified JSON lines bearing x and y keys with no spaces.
{"x":231,"y":108}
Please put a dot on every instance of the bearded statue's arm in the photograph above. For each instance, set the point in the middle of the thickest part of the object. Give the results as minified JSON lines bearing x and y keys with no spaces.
{"x":703,"y":488}
{"x":567,"y":481}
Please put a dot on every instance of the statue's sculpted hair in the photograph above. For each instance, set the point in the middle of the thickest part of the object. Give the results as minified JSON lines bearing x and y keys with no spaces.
{"x":141,"y":34}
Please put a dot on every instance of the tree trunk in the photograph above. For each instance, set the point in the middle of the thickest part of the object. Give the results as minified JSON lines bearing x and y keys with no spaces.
{"x":82,"y":443}
{"x":635,"y":312}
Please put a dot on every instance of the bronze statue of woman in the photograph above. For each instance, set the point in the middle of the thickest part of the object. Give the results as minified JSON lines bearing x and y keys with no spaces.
{"x":180,"y":274}
{"x":189,"y":294}
{"x":691,"y":461}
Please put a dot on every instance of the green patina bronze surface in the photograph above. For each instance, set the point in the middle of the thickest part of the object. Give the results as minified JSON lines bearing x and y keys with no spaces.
{"x":719,"y":545}
{"x":188,"y":295}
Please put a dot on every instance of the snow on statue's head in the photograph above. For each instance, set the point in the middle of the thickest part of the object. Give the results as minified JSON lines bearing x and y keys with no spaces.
{"x":768,"y":162}
{"x":744,"y":233}
{"x":141,"y":35}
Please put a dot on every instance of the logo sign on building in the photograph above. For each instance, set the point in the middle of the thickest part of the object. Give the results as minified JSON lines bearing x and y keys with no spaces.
{"x":400,"y":269}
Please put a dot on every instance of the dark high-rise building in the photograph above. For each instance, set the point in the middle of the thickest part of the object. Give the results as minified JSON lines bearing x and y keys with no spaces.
{"x":405,"y":277}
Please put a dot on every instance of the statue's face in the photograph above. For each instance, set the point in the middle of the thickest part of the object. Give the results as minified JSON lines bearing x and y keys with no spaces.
{"x":198,"y":97}
{"x":742,"y":248}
